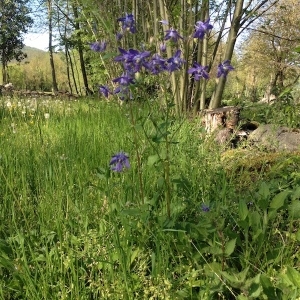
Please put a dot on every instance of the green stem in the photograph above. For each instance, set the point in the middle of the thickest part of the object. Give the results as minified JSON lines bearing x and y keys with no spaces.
{"x":139,"y":162}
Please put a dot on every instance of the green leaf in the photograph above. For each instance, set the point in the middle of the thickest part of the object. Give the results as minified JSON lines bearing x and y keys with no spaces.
{"x":109,"y":55}
{"x":267,"y":286}
{"x":293,"y":276}
{"x":278,"y":200}
{"x":294,"y":209}
{"x":153,"y":159}
{"x":229,"y":247}
{"x":264,"y":190}
{"x":264,"y":193}
{"x":254,"y":290}
{"x":243,"y":210}
{"x":296,"y":193}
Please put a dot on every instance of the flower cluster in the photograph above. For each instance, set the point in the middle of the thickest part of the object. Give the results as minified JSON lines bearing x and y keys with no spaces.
{"x":134,"y":61}
{"x":119,"y":162}
{"x":98,"y":46}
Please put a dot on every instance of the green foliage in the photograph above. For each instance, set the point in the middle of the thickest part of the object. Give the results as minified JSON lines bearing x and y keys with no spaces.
{"x":14,"y":21}
{"x":73,"y":229}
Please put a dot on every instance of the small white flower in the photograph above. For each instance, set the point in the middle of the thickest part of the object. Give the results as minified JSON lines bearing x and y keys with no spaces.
{"x":47,"y":116}
{"x":8,"y":104}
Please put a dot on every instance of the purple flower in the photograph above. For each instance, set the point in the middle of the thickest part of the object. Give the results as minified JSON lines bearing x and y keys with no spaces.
{"x":156,"y":64}
{"x":124,"y":79}
{"x":123,"y":89}
{"x":98,"y":47}
{"x":124,"y":92}
{"x":224,"y":68}
{"x":205,"y":208}
{"x":128,"y":22}
{"x":104,"y":90}
{"x":119,"y":36}
{"x":175,"y":62}
{"x":162,"y":47}
{"x":173,"y":35}
{"x":201,"y":28}
{"x":119,"y":162}
{"x":133,"y":60}
{"x":198,"y":71}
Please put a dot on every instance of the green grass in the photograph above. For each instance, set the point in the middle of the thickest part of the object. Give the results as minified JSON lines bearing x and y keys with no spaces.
{"x":72,"y":229}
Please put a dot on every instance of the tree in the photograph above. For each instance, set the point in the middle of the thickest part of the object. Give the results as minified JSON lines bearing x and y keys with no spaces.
{"x":14,"y":22}
{"x":270,"y":52}
{"x":245,"y":13}
{"x":50,"y":28}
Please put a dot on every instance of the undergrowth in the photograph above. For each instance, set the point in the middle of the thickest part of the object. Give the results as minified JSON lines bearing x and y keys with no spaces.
{"x":71,"y":228}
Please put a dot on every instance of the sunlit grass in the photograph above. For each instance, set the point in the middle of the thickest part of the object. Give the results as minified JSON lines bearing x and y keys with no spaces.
{"x":72,"y":229}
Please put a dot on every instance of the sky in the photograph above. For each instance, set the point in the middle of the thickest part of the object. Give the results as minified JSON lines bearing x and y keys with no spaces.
{"x":37,"y":40}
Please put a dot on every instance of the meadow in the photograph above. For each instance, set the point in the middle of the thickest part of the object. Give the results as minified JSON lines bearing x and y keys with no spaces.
{"x":186,"y":220}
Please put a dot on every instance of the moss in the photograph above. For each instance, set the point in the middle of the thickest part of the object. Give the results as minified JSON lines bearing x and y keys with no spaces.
{"x":246,"y":166}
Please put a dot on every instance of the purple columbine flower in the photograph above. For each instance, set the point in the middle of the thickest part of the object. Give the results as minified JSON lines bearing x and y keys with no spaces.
{"x":128,"y":23}
{"x":173,"y":35}
{"x":98,"y":47}
{"x":124,"y":79}
{"x":133,"y":60}
{"x":205,"y":208}
{"x":198,"y":71}
{"x":119,"y":162}
{"x":175,"y":62}
{"x":103,"y":89}
{"x":201,"y":28}
{"x":156,"y":64}
{"x":119,"y":36}
{"x":163,"y":47}
{"x":224,"y":68}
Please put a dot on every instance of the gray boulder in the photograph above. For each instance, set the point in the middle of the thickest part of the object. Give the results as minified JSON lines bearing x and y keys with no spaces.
{"x":274,"y":137}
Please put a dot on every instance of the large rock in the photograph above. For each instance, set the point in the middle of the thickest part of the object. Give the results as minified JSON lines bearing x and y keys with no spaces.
{"x":275,"y":137}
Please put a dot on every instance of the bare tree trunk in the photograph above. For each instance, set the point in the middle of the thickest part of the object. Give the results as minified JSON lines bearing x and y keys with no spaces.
{"x":4,"y":68}
{"x":232,"y":36}
{"x":80,"y":52}
{"x":54,"y":82}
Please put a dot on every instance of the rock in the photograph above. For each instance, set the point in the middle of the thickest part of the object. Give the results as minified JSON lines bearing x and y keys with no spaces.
{"x":274,"y":137}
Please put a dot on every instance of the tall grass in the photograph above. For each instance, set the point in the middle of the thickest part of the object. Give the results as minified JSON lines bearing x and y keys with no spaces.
{"x":73,"y":229}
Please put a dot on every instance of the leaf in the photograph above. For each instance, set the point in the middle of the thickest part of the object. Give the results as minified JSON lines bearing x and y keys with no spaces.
{"x":109,"y":55}
{"x":264,"y":193}
{"x":243,"y":209}
{"x":297,"y":49}
{"x":294,"y":209}
{"x":229,"y":247}
{"x":293,"y":276}
{"x":296,"y":193}
{"x":264,"y":190}
{"x":268,"y":288}
{"x":153,"y":159}
{"x":255,"y":290}
{"x":278,"y":200}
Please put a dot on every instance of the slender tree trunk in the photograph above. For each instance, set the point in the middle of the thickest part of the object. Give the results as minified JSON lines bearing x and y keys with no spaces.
{"x":231,"y":40}
{"x":54,"y":82}
{"x":4,"y":68}
{"x":80,"y":52}
{"x":72,"y":72}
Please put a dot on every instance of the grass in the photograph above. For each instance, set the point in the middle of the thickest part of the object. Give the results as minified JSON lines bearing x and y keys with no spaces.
{"x":72,"y":229}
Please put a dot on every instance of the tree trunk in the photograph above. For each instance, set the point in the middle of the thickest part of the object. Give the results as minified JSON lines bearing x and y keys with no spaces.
{"x":80,"y":52}
{"x":54,"y":82}
{"x":231,"y":40}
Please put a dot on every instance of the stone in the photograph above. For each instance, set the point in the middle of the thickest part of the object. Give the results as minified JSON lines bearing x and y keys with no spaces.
{"x":274,"y":137}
